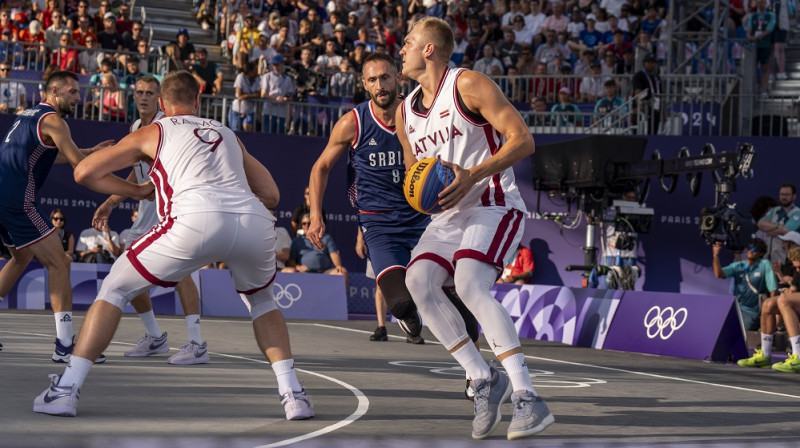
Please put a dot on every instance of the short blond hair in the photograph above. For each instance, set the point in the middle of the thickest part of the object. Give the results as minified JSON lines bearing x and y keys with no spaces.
{"x":794,"y":254}
{"x":437,"y":32}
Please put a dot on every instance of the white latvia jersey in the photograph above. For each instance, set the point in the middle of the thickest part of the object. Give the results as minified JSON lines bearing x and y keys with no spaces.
{"x":446,"y":131}
{"x":146,"y":217}
{"x":198,"y":168}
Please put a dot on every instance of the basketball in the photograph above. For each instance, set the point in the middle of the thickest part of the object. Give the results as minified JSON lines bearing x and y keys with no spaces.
{"x":423,"y":183}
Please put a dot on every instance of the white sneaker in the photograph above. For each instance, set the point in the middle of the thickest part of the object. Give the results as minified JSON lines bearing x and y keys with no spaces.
{"x":57,"y":400}
{"x":297,"y":405}
{"x":149,"y":345}
{"x":783,"y":76}
{"x":190,"y":353}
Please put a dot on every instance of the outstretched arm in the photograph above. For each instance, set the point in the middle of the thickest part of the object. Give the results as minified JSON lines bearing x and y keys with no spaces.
{"x":343,"y":134}
{"x":482,"y":95}
{"x":96,"y":170}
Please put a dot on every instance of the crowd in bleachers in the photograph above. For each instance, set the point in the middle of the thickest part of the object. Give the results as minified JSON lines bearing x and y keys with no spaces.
{"x":534,"y":48}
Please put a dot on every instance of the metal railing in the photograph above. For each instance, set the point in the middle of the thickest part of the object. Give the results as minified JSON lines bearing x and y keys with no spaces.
{"x":35,"y":56}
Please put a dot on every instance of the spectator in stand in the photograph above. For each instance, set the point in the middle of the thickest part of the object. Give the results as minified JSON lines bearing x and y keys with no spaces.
{"x":82,"y":31}
{"x":109,"y":38}
{"x":106,"y":66}
{"x":643,"y":47}
{"x":47,"y":13}
{"x":10,"y":50}
{"x":611,"y":101}
{"x":781,"y":9}
{"x":514,"y":11}
{"x":314,"y":21}
{"x":262,"y":53}
{"x":613,"y":27}
{"x":602,"y":20}
{"x":556,"y":62}
{"x":304,"y":257}
{"x":343,"y":83}
{"x":526,"y":65}
{"x":171,"y":60}
{"x":52,"y":34}
{"x":357,"y":57}
{"x":35,"y":51}
{"x":282,"y":42}
{"x":384,"y":36}
{"x":130,"y":38}
{"x":648,"y":79}
{"x":12,"y":93}
{"x":582,"y":65}
{"x":534,"y":21}
{"x":124,"y":22}
{"x":651,"y":24}
{"x":509,"y":50}
{"x":565,"y":112}
{"x":488,"y":64}
{"x":576,"y":25}
{"x":752,"y":279}
{"x":306,"y":39}
{"x":270,"y":25}
{"x":207,"y":73}
{"x":558,"y":21}
{"x":329,"y":26}
{"x":627,"y":22}
{"x":248,"y":88}
{"x":613,"y":7}
{"x":100,"y":15}
{"x":112,"y":100}
{"x":522,"y":34}
{"x":98,"y":246}
{"x":66,"y":58}
{"x":779,"y":220}
{"x":88,"y":59}
{"x":609,"y":64}
{"x":589,"y":38}
{"x":592,"y":85}
{"x":364,"y":38}
{"x":185,"y":48}
{"x":520,"y":270}
{"x":538,"y":115}
{"x":205,"y":14}
{"x":59,"y":220}
{"x":352,"y":26}
{"x":307,"y":82}
{"x":546,"y":52}
{"x":330,"y":60}
{"x":460,"y":46}
{"x":619,"y":45}
{"x":340,"y":34}
{"x":543,"y":85}
{"x":246,"y":39}
{"x":490,"y":22}
{"x":278,"y":88}
{"x":82,"y":11}
{"x":759,"y":28}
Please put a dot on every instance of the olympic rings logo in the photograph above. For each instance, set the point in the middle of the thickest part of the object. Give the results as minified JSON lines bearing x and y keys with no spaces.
{"x":663,"y":323}
{"x":285,"y":296}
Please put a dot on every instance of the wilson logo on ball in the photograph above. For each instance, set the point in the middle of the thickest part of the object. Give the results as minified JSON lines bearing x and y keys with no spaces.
{"x":423,"y":183}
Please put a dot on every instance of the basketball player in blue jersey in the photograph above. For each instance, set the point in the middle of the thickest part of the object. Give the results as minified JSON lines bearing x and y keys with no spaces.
{"x":389,"y":225}
{"x":39,"y":138}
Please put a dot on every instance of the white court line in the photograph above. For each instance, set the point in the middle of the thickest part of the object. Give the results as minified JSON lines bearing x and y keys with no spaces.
{"x":612,"y":369}
{"x":361,"y":409}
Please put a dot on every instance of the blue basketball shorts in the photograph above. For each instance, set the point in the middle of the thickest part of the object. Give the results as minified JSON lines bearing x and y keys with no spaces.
{"x":390,"y":237}
{"x":21,"y":227}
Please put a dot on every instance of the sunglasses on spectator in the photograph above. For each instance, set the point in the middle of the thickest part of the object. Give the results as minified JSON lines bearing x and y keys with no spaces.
{"x":58,"y":218}
{"x":751,"y":248}
{"x":305,"y":223}
{"x":5,"y":69}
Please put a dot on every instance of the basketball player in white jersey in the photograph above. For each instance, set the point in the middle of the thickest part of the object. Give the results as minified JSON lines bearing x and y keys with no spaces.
{"x":212,"y":197}
{"x":195,"y":351}
{"x":462,"y":117}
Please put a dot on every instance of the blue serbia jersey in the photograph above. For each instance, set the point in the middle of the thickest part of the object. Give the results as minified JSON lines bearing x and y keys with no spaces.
{"x":25,"y":160}
{"x":375,"y":169}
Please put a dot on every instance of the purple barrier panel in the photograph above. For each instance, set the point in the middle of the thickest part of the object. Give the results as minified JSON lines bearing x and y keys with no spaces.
{"x":86,"y":279}
{"x":299,"y":296}
{"x":706,"y":327}
{"x":30,"y":291}
{"x":572,"y":316}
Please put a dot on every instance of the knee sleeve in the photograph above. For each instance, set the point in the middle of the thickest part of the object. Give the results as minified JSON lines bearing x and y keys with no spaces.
{"x":260,"y":302}
{"x":473,"y":329}
{"x":474,"y":280}
{"x":395,"y":292}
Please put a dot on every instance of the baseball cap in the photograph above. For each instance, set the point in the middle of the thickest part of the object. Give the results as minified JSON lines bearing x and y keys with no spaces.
{"x":277,"y":59}
{"x":594,"y":63}
{"x":791,"y":236}
{"x":650,"y":57}
{"x":109,"y":15}
{"x":340,"y":27}
{"x":565,"y":90}
{"x":183,"y":31}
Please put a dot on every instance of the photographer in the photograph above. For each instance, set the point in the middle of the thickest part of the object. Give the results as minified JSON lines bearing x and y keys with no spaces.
{"x":752,"y":279}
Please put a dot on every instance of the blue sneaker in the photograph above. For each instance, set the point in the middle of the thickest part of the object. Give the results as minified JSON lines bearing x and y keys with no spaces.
{"x":489,"y":395}
{"x":62,"y":353}
{"x":57,"y":400}
{"x":531,"y":415}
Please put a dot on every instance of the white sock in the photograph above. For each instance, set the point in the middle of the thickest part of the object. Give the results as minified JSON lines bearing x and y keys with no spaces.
{"x":151,"y":327}
{"x":193,"y":328}
{"x":472,"y":362}
{"x":795,"y":344}
{"x":517,"y":370}
{"x":287,"y":376}
{"x":64,"y":327}
{"x":766,"y":344}
{"x":76,"y":371}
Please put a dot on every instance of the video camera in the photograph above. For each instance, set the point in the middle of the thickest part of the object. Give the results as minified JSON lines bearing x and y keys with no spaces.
{"x":726,"y":225}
